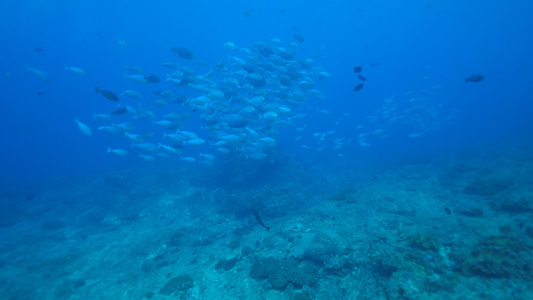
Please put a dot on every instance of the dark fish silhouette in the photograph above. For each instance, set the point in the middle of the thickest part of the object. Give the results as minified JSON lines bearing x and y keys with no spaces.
{"x":358,"y":87}
{"x":299,"y":37}
{"x":183,"y":52}
{"x":374,"y":64}
{"x":361,"y":77}
{"x":258,"y":219}
{"x":357,"y":69}
{"x":120,"y":110}
{"x":108,"y":94}
{"x":152,"y":79}
{"x":474,"y":78}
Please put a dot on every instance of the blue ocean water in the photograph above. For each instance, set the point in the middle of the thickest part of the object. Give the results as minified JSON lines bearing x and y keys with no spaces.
{"x":349,"y":182}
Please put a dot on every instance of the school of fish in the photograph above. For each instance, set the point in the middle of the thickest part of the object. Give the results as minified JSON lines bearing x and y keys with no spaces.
{"x":242,"y":102}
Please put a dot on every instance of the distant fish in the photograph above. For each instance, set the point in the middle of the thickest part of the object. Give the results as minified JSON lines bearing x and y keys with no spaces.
{"x":108,"y":94}
{"x":357,"y":69}
{"x":183,"y":52}
{"x":131,"y":94}
{"x":258,"y":219}
{"x":137,"y":78}
{"x":152,"y":79}
{"x":134,"y":69}
{"x":247,"y":13}
{"x":147,"y":147}
{"x":76,"y":70}
{"x":189,"y":159}
{"x":119,"y":152}
{"x":147,"y":157}
{"x":120,"y":110}
{"x":299,"y":37}
{"x":170,"y":65}
{"x":361,"y":77}
{"x":358,"y":87}
{"x":374,"y":64}
{"x":112,"y":130}
{"x":40,"y":74}
{"x":83,"y":127}
{"x":475,"y":78}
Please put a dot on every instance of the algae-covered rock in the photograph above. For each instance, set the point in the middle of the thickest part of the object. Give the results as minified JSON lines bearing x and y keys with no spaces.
{"x":177,"y":284}
{"x":498,"y":257}
{"x":424,"y":241}
{"x":227,"y":264}
{"x":514,"y":206}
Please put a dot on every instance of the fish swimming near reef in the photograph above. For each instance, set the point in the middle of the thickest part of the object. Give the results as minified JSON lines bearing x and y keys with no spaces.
{"x":475,"y":78}
{"x":258,"y":219}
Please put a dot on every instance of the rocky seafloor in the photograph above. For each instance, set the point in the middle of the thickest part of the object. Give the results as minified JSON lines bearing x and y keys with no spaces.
{"x":456,"y":227}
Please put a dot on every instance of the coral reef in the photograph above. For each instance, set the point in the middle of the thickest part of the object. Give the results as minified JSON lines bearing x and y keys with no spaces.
{"x":497,"y":257}
{"x":281,"y":273}
{"x":424,"y":241}
{"x":321,"y":248}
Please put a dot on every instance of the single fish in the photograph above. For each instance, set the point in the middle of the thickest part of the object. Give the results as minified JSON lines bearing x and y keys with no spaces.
{"x":119,"y":152}
{"x":108,"y":94}
{"x":358,"y":87}
{"x":83,"y":127}
{"x":258,"y":219}
{"x":183,"y":52}
{"x":40,"y":74}
{"x":120,"y":110}
{"x":76,"y":70}
{"x":152,"y":79}
{"x":475,"y":78}
{"x":299,"y":37}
